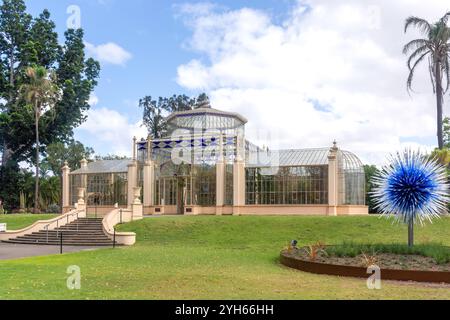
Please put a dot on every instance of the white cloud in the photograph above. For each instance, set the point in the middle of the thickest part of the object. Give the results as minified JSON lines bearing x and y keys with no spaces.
{"x":109,"y":52}
{"x":93,"y":100}
{"x":112,"y":128}
{"x":331,"y":70}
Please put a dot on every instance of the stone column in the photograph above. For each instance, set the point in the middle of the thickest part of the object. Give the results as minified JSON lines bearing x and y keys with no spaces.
{"x":132,"y":176}
{"x":333,"y":190}
{"x":149,"y":183}
{"x":83,"y":166}
{"x":149,"y":176}
{"x":239,"y":177}
{"x":65,"y":187}
{"x":81,"y":204}
{"x":220,"y":179}
{"x":132,"y":182}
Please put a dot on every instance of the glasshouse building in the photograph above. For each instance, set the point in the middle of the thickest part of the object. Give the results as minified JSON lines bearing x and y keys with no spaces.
{"x":205,"y":165}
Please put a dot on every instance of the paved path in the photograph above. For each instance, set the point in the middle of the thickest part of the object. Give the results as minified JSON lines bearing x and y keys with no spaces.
{"x":10,"y":251}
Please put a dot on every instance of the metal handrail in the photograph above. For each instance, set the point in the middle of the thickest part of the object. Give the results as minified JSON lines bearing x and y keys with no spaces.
{"x":57,"y":223}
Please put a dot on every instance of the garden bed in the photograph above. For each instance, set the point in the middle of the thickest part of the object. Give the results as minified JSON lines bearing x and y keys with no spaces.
{"x":424,"y":263}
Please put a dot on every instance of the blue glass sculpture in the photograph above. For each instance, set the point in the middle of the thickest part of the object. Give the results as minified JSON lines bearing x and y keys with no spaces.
{"x":413,"y":188}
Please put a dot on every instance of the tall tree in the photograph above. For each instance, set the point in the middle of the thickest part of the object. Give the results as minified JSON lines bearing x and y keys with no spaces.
{"x":37,"y":44}
{"x":155,"y":112}
{"x":14,"y":26}
{"x":436,"y":47}
{"x":153,"y":117}
{"x":73,"y":152}
{"x":41,"y":93}
{"x":110,"y":157}
{"x":28,"y":41}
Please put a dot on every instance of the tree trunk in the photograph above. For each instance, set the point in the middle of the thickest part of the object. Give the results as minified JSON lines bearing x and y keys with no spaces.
{"x":11,"y":74}
{"x":6,"y":155}
{"x":411,"y":233}
{"x":36,"y":188}
{"x":439,"y":98}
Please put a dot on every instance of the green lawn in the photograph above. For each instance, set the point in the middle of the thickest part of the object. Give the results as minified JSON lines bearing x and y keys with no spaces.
{"x":217,"y":258}
{"x":20,"y":221}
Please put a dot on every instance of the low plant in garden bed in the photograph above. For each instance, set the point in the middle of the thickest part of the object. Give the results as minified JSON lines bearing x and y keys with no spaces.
{"x":425,"y":257}
{"x":440,"y":253}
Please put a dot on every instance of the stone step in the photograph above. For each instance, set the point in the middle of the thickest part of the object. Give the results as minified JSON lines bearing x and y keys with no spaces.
{"x":64,"y":238}
{"x":82,"y":232}
{"x":75,"y":227}
{"x":25,"y":238}
{"x":70,"y":231}
{"x":65,"y":243}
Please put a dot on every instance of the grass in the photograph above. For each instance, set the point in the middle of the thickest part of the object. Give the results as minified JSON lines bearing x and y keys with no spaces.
{"x":440,"y":253}
{"x":20,"y":221}
{"x":217,"y":258}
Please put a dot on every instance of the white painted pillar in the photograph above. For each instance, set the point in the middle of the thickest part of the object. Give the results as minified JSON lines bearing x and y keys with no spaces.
{"x":81,"y":204}
{"x":220,"y":179}
{"x":65,"y":186}
{"x":132,"y":176}
{"x":149,"y":183}
{"x":132,"y":182}
{"x":333,"y":190}
{"x":239,"y":177}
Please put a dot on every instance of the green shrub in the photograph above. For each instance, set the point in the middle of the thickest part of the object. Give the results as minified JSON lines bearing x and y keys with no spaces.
{"x":53,"y":208}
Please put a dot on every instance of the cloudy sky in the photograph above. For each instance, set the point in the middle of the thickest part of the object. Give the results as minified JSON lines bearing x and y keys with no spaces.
{"x":303,"y":72}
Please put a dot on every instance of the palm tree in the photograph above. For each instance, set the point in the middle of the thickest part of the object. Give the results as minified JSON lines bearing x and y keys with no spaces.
{"x":40,"y":93}
{"x":436,"y":47}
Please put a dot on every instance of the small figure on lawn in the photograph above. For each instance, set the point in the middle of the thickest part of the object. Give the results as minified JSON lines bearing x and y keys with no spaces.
{"x":413,"y":188}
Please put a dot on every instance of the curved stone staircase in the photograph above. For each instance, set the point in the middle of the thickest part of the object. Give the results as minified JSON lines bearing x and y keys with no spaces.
{"x":81,"y":232}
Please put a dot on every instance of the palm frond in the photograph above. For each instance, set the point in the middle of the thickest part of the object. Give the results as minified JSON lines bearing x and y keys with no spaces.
{"x":417,"y":53}
{"x":422,"y":24}
{"x":411,"y":71}
{"x":446,"y":70}
{"x":445,"y":18}
{"x":431,"y":71}
{"x":416,"y":44}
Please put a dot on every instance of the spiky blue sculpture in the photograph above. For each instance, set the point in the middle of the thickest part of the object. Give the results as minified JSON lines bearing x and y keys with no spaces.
{"x":413,"y":188}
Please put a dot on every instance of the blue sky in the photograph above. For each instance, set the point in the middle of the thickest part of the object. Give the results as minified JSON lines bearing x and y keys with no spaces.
{"x":153,"y":33}
{"x":304,"y":72}
{"x":150,"y":31}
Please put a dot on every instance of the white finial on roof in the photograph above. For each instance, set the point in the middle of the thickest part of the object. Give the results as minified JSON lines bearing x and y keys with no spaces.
{"x":83,"y":163}
{"x":335,"y":147}
{"x":134,"y":148}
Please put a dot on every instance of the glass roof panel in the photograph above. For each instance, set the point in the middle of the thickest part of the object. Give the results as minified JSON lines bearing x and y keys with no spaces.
{"x":301,"y":157}
{"x":298,"y":157}
{"x":104,"y":166}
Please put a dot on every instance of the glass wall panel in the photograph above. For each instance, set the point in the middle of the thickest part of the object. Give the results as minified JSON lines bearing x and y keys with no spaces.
{"x":351,"y":180}
{"x":104,"y":189}
{"x":76,"y":181}
{"x":290,"y":186}
{"x":203,"y":185}
{"x":198,"y":184}
{"x":228,"y":184}
{"x":166,"y":191}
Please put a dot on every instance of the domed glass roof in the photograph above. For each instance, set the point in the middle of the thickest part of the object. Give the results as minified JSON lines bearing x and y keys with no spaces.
{"x":206,"y":118}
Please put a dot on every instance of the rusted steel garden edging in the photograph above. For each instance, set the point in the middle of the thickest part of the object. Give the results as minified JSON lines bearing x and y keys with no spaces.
{"x":359,"y":272}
